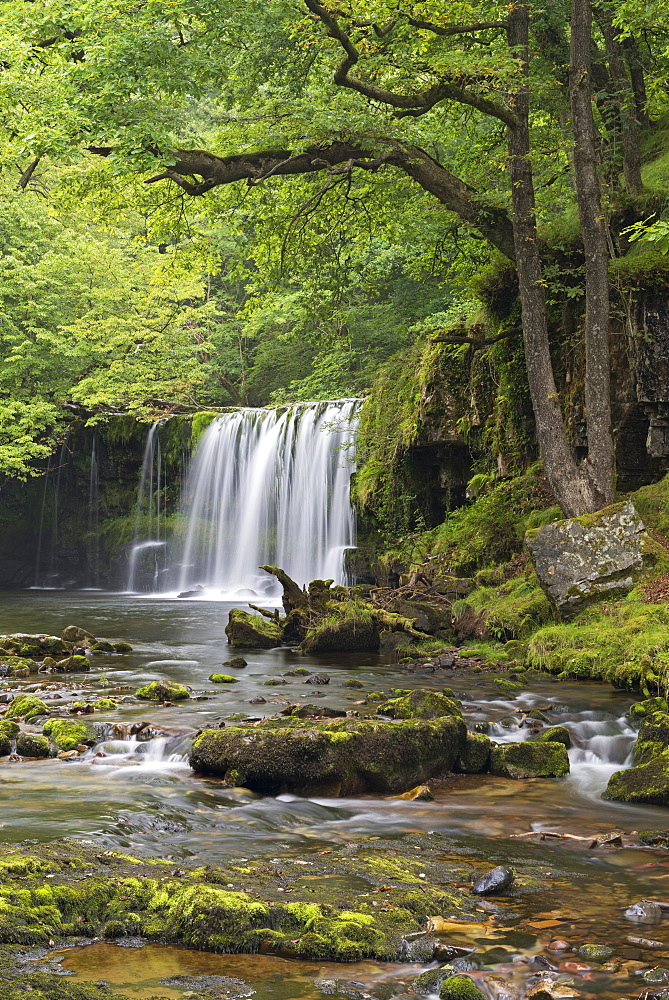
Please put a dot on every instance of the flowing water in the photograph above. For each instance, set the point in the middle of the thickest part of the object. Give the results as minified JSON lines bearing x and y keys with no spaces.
{"x":137,"y":794}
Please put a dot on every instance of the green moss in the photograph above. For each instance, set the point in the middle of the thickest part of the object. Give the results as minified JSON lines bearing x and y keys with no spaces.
{"x":67,"y":734}
{"x":554,"y":734}
{"x":31,"y":745}
{"x":8,"y":728}
{"x":74,"y":664}
{"x":529,"y":760}
{"x":642,"y":709}
{"x":222,"y":679}
{"x":105,"y":705}
{"x":163,"y":691}
{"x":460,"y":988}
{"x":348,"y":627}
{"x":122,"y":647}
{"x":26,"y":706}
{"x":475,"y":754}
{"x":199,"y":423}
{"x":246,"y":631}
{"x":420,"y":704}
{"x":513,"y":610}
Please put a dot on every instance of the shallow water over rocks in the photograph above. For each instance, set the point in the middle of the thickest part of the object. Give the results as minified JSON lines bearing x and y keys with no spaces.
{"x":137,"y":794}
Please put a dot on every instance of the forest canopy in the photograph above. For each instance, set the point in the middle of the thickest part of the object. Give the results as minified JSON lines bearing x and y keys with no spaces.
{"x":234,"y":203}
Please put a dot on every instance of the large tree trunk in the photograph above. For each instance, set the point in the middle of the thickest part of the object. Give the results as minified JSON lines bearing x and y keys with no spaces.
{"x":600,"y":462}
{"x":571,"y":486}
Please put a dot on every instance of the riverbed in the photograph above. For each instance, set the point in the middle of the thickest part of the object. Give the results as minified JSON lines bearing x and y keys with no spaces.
{"x":140,"y":796}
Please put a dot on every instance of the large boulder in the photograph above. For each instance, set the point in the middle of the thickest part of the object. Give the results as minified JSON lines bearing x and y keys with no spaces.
{"x":349,"y":627}
{"x":341,"y":757}
{"x":648,"y":779}
{"x":529,"y":760}
{"x":421,"y":704}
{"x":582,"y":559}
{"x":246,"y":631}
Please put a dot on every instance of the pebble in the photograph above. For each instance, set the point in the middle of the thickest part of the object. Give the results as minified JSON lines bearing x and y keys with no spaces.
{"x":495,"y":880}
{"x":644,"y":942}
{"x":559,"y":945}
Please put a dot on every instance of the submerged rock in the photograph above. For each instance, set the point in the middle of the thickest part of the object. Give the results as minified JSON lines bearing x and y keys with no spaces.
{"x":342,"y":757}
{"x":644,"y":912}
{"x":246,"y":631}
{"x":163,"y":691}
{"x":583,"y":559}
{"x":529,"y":760}
{"x":496,"y":880}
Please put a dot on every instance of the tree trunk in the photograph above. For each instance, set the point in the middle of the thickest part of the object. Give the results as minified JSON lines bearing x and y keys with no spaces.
{"x":625,"y":99}
{"x":600,"y":462}
{"x":571,"y":486}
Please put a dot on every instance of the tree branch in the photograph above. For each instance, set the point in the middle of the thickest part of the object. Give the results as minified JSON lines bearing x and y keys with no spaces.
{"x":475,"y":342}
{"x":455,"y":29}
{"x":24,"y":179}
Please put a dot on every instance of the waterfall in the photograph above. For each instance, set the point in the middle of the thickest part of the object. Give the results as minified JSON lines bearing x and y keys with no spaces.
{"x":93,"y":547}
{"x":147,"y":558}
{"x":270,"y":486}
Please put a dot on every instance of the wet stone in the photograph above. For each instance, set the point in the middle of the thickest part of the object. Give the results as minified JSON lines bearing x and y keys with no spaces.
{"x":496,"y":880}
{"x":233,"y":987}
{"x":318,"y":679}
{"x":644,"y":912}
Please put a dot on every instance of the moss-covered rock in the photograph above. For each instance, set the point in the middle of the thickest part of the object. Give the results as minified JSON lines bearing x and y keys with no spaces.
{"x":105,"y":705}
{"x":648,"y":779}
{"x":236,"y":663}
{"x":421,"y":704}
{"x":102,"y":646}
{"x":554,"y":734}
{"x":246,"y":631}
{"x":426,"y":616}
{"x":529,"y":760}
{"x":642,"y":709}
{"x":5,"y":745}
{"x":475,"y":754}
{"x":122,"y":647}
{"x":26,"y":706}
{"x":349,"y":627}
{"x":74,"y":634}
{"x":34,"y":646}
{"x":341,"y":757}
{"x":460,"y":988}
{"x":74,"y":665}
{"x":430,"y":980}
{"x":31,"y":745}
{"x":9,"y":728}
{"x":68,"y":734}
{"x":163,"y":691}
{"x":222,"y":679}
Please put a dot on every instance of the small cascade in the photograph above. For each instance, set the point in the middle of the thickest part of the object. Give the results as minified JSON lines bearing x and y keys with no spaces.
{"x":93,"y":534}
{"x":147,"y":560}
{"x":270,"y":486}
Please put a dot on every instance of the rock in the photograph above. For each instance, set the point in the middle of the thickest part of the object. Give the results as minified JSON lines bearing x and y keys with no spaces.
{"x":460,"y":988}
{"x":26,"y":706}
{"x":554,"y":734}
{"x":558,"y":945}
{"x":9,"y":728}
{"x":430,"y":980}
{"x":642,"y":709}
{"x":529,"y":760}
{"x":222,"y":679}
{"x":426,"y":616}
{"x":548,"y":989}
{"x":67,"y":754}
{"x":496,"y":880}
{"x":5,"y":745}
{"x":501,"y":989}
{"x":298,"y":672}
{"x":236,"y":663}
{"x":122,"y":647}
{"x":656,"y":976}
{"x":30,"y":745}
{"x":276,"y":682}
{"x":162,"y":691}
{"x":642,"y":942}
{"x":453,"y":586}
{"x":421,"y":704}
{"x":105,"y":705}
{"x":34,"y":646}
{"x":420,"y":793}
{"x":350,"y":628}
{"x":341,"y":757}
{"x":73,"y":633}
{"x":644,"y":912}
{"x":352,"y":683}
{"x":312,"y":712}
{"x":68,"y":734}
{"x":318,"y":679}
{"x":595,"y":952}
{"x":583,"y":559}
{"x":246,"y":631}
{"x":73,"y":665}
{"x":475,"y":754}
{"x":258,"y":700}
{"x":648,"y":779}
{"x":102,"y":646}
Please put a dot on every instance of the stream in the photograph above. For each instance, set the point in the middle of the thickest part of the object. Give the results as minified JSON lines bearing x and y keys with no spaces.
{"x":140,"y":796}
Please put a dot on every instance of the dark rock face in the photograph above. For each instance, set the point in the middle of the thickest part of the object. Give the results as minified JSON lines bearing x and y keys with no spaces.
{"x":496,"y":880}
{"x":342,"y":757}
{"x":582,"y":559}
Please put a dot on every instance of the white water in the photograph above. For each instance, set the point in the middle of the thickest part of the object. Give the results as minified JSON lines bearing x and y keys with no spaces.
{"x":148,"y":543}
{"x":270,"y":486}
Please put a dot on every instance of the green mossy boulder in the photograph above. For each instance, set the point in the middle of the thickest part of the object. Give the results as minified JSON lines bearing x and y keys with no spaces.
{"x":554,"y":734}
{"x":105,"y":705}
{"x":348,"y":627}
{"x":475,"y":754}
{"x":430,"y":980}
{"x":162,"y":691}
{"x":102,"y":646}
{"x":642,"y":709}
{"x":246,"y":631}
{"x":648,"y":779}
{"x":26,"y":706}
{"x":74,"y":665}
{"x":426,"y":616}
{"x":236,"y":663}
{"x":421,"y":704}
{"x":68,"y":734}
{"x":341,"y":757}
{"x":74,"y":634}
{"x":34,"y":646}
{"x":9,"y":729}
{"x":222,"y":679}
{"x":30,"y":745}
{"x":5,"y":745}
{"x":460,"y":988}
{"x":529,"y":760}
{"x":122,"y":647}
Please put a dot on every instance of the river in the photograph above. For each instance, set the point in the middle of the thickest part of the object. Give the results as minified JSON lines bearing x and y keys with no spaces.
{"x":141,"y":797}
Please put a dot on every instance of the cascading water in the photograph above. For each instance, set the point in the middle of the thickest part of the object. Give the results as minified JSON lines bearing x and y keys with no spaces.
{"x":270,"y":486}
{"x":147,"y":554}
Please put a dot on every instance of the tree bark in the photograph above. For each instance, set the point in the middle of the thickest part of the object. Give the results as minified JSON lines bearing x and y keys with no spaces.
{"x":571,"y":487}
{"x":600,"y":462}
